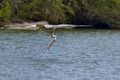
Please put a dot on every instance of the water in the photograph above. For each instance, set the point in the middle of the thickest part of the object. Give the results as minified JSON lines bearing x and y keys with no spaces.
{"x":76,"y":55}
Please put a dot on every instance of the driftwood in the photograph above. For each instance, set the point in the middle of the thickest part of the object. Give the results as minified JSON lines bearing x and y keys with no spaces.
{"x":26,"y":26}
{"x":41,"y":25}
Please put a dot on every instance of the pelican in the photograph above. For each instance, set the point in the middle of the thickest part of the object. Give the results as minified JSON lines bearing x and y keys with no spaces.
{"x":53,"y":40}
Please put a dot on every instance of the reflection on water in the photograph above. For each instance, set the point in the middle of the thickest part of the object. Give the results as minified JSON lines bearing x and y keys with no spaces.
{"x":77,"y":55}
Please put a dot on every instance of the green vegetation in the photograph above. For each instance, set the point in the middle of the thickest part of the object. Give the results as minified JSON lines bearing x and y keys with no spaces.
{"x":106,"y":10}
{"x":5,"y":12}
{"x":62,"y":11}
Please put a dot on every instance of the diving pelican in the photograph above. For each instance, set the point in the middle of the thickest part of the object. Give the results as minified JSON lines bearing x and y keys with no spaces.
{"x":53,"y":40}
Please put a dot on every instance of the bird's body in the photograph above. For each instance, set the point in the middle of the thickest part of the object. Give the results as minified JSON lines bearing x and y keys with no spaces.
{"x":54,"y":37}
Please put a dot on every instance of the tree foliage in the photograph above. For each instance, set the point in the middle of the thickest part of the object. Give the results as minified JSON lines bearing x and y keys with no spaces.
{"x":53,"y":11}
{"x":62,"y":11}
{"x":5,"y":12}
{"x":106,"y":10}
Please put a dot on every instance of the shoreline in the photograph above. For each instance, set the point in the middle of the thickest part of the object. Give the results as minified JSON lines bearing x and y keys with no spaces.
{"x":45,"y":25}
{"x":41,"y":25}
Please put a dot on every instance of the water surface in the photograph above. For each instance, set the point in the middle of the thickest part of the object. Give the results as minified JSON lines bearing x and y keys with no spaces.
{"x":77,"y":55}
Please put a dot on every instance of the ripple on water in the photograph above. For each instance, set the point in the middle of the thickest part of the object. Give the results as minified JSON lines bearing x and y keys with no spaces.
{"x":76,"y":55}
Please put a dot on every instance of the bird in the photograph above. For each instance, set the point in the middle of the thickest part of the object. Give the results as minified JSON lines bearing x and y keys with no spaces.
{"x":53,"y":40}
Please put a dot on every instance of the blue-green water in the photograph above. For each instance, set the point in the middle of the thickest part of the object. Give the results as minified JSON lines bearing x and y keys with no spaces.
{"x":76,"y":55}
